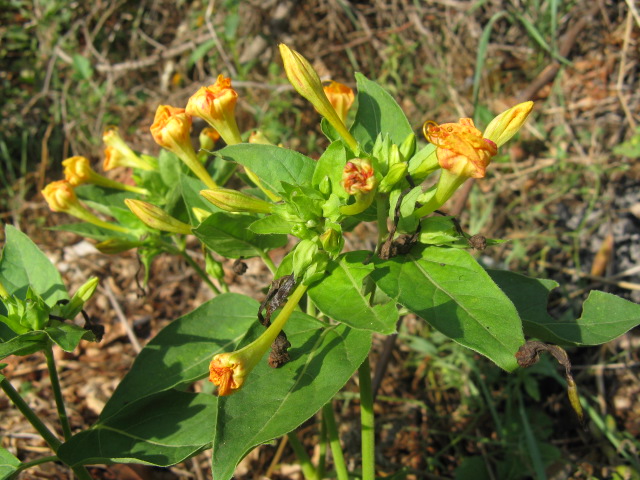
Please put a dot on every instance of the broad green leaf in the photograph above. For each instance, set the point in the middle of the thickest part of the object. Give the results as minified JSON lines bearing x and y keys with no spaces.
{"x":23,"y":264}
{"x":452,"y":292}
{"x":275,"y":401}
{"x":162,"y":429}
{"x":181,"y":352}
{"x":67,"y":335}
{"x":229,"y":235}
{"x":190,"y":189}
{"x":343,"y":296}
{"x":107,"y":197}
{"x":24,"y":344}
{"x":604,"y":316}
{"x":377,"y":112}
{"x":8,"y":463}
{"x":272,"y":164}
{"x":271,"y":224}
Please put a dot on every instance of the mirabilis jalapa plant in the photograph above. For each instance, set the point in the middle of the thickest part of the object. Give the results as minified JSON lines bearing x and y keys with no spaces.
{"x":372,"y":171}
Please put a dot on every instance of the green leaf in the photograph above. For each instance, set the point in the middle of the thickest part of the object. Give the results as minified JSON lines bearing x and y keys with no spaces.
{"x":271,"y":224}
{"x":23,"y":264}
{"x":331,"y":164}
{"x":377,"y":112}
{"x":272,"y":164}
{"x":181,"y":352}
{"x":67,"y":335}
{"x":452,"y":292}
{"x":107,"y":197}
{"x":24,"y":344}
{"x":273,"y":402}
{"x":342,"y":295}
{"x":89,"y":230}
{"x":8,"y":463}
{"x":604,"y":316}
{"x":229,"y":235}
{"x":190,"y":190}
{"x":82,"y":67}
{"x":162,"y":429}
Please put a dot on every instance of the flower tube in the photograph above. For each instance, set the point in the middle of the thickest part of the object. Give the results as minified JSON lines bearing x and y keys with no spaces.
{"x":118,"y":154}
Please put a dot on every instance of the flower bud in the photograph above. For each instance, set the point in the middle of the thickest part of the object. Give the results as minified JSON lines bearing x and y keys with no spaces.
{"x":157,"y":218}
{"x":82,"y":296}
{"x":504,"y":126}
{"x":307,"y":83}
{"x":216,"y":104}
{"x":112,"y":246}
{"x":118,"y":154}
{"x":171,"y":130}
{"x":332,"y":241}
{"x":394,"y":175}
{"x":341,"y":98}
{"x":259,"y":138}
{"x":408,"y":147}
{"x":208,"y":138}
{"x":235,"y":201}
{"x":77,"y":170}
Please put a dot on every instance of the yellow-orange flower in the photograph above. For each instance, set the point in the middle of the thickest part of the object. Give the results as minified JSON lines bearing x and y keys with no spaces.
{"x":61,"y":197}
{"x":226,"y":374}
{"x":77,"y":170}
{"x":216,"y":104}
{"x":461,"y":148}
{"x":341,"y":98}
{"x":171,"y":128}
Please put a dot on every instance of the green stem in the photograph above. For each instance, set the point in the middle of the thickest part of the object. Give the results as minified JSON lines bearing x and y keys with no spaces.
{"x":268,"y":262}
{"x":30,"y":415}
{"x":381,"y":210}
{"x":312,"y":311}
{"x":367,"y":421}
{"x":308,"y":470}
{"x":334,"y":441}
{"x":179,"y":251}
{"x":323,"y":439}
{"x":38,"y":461}
{"x":57,"y":393}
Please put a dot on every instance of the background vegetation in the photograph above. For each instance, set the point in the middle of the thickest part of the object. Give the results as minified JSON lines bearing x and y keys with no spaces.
{"x":566,"y":195}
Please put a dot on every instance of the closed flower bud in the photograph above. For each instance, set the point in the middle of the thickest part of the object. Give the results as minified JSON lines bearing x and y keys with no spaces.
{"x":112,"y":246}
{"x":341,"y":98}
{"x":504,"y":126}
{"x":216,"y":104}
{"x":157,"y":218}
{"x":235,"y":201}
{"x":259,"y":138}
{"x":82,"y":296}
{"x":77,"y":170}
{"x":307,"y":83}
{"x":208,"y":138}
{"x":61,"y":197}
{"x":171,"y":130}
{"x":118,"y":154}
{"x":394,"y":175}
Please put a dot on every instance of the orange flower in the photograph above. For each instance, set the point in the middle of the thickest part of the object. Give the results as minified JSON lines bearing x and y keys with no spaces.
{"x":216,"y":104}
{"x":341,"y":98}
{"x":171,"y":128}
{"x":226,"y":374}
{"x":358,"y":176}
{"x":461,"y":148}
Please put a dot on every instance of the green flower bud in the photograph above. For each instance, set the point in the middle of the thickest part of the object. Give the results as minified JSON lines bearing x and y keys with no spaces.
{"x":235,"y":201}
{"x":325,"y":185}
{"x":395,"y":174}
{"x":116,"y":245}
{"x":408,"y":147}
{"x":157,"y":218}
{"x":332,"y":241}
{"x":82,"y":296}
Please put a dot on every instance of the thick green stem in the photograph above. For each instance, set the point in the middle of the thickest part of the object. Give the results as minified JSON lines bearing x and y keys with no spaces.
{"x":38,"y":461}
{"x":30,"y":415}
{"x":334,"y":441}
{"x":383,"y":229}
{"x":57,"y":393}
{"x":367,"y":422}
{"x":308,"y":470}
